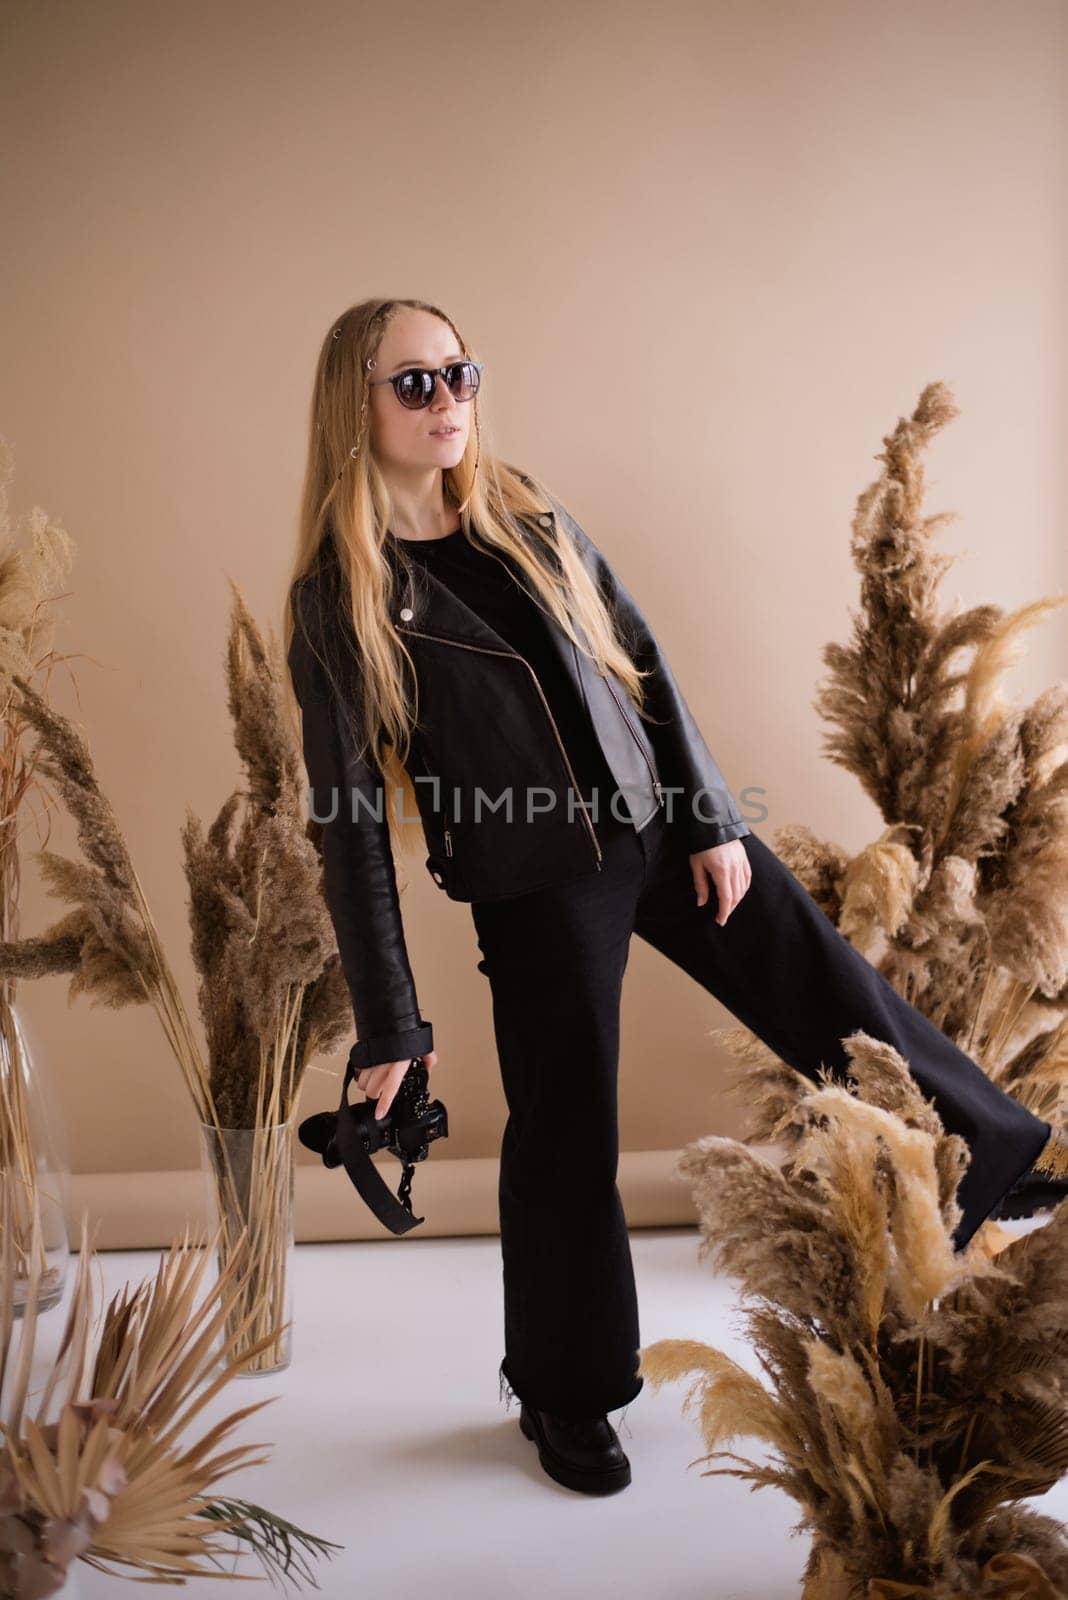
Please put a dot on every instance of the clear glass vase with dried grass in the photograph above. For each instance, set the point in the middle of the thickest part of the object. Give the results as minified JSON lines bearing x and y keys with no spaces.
{"x":269,"y":981}
{"x":249,"y":1190}
{"x":914,"y":1394}
{"x":270,"y":986}
{"x":33,"y":1150}
{"x":36,"y":555}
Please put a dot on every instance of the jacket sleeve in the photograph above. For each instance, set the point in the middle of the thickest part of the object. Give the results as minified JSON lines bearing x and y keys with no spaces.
{"x":705,"y":810}
{"x":347,"y":794}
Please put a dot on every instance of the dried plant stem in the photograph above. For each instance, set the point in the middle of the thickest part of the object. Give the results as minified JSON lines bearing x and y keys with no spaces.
{"x":1023,"y":994}
{"x":285,"y":1042}
{"x":164,"y":996}
{"x":977,"y":1014}
{"x":966,"y":1441}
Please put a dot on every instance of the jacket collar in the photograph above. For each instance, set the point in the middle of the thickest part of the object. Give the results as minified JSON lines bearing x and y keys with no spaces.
{"x":422,"y":604}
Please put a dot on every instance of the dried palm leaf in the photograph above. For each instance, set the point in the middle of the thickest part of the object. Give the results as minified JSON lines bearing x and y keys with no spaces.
{"x":120,"y":1478}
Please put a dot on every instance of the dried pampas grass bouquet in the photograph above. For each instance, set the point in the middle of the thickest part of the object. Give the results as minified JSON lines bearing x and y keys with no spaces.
{"x":914,"y":1395}
{"x":271,"y":988}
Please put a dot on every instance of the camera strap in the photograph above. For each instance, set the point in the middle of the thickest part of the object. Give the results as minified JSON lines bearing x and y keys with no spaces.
{"x":394,"y":1212}
{"x":335,"y":1136}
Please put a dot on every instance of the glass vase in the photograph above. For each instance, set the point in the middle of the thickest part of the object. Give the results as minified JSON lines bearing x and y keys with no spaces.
{"x":249,"y":1178}
{"x":33,"y":1162}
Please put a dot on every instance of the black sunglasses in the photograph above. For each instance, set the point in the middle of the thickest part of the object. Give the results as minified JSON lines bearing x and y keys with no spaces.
{"x":414,"y":387}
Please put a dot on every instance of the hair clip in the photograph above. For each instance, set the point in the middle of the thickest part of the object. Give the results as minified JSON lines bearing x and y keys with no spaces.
{"x":337,"y":333}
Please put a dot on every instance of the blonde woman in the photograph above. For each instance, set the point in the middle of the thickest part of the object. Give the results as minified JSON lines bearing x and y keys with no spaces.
{"x":470,"y":669}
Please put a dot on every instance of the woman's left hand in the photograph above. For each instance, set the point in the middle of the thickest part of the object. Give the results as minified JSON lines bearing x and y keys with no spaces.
{"x":728,"y":867}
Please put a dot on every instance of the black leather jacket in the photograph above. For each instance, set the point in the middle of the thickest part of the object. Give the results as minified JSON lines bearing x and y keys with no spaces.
{"x":485,"y":725}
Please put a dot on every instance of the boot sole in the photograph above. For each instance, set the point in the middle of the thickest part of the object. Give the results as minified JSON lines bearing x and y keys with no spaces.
{"x":606,"y":1481}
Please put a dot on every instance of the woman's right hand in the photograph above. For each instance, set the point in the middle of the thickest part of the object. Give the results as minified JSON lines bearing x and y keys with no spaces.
{"x":382,"y":1082}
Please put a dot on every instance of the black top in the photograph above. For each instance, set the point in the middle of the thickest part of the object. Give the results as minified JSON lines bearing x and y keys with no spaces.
{"x":484,"y":584}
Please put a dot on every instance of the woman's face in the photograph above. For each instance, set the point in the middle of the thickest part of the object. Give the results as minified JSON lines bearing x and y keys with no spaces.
{"x":414,"y":441}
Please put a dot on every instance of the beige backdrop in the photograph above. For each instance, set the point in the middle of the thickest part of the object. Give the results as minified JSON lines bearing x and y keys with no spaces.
{"x":709,"y":253}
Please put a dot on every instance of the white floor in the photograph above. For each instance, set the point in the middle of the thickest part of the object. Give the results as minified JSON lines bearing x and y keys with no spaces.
{"x":388,"y":1436}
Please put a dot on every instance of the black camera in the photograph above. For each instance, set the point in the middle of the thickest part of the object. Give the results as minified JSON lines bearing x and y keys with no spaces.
{"x":350,"y":1135}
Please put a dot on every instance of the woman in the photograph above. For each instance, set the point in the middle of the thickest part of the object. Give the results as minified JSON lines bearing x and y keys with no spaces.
{"x":507,"y":697}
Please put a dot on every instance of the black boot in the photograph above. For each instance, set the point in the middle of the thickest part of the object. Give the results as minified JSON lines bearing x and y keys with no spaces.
{"x":585,"y":1454}
{"x":1044,"y":1184}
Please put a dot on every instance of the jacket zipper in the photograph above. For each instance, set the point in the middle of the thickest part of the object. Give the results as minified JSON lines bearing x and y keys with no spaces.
{"x":448,"y":835}
{"x":637,"y":741}
{"x":514,"y":656}
{"x":652,"y":774}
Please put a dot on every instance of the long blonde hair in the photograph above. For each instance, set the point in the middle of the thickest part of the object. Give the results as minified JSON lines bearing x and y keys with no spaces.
{"x":346,"y":511}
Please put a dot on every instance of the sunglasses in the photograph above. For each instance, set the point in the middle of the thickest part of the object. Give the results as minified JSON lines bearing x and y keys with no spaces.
{"x":414,"y":387}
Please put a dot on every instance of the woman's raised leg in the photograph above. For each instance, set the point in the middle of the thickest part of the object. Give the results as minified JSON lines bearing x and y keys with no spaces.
{"x":782,"y":968}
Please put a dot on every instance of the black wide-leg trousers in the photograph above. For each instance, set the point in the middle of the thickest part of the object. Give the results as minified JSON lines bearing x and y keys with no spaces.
{"x":555,"y":960}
